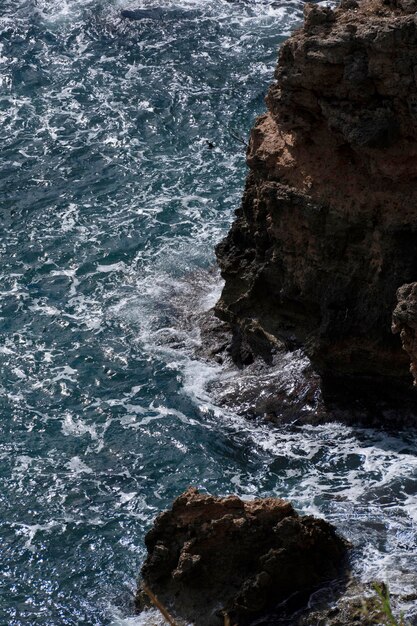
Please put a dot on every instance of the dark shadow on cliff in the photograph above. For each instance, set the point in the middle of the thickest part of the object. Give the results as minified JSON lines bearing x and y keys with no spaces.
{"x":296,"y":609}
{"x":372,"y":402}
{"x":286,"y":388}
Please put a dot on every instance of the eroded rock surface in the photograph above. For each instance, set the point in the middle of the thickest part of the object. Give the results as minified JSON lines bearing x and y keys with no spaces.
{"x":327,"y":230}
{"x":208,"y":555}
{"x":404,"y":321}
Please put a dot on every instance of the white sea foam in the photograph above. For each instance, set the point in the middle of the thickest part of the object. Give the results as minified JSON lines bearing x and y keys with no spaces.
{"x":103,"y":274}
{"x":77,"y":466}
{"x":77,"y":427}
{"x":148,"y":618}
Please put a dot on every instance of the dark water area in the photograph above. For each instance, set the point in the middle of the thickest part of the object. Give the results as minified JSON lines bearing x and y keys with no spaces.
{"x":111,"y":203}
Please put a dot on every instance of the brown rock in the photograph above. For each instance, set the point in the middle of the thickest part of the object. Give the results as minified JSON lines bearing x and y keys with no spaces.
{"x":404,"y":321}
{"x":327,"y":230}
{"x":208,"y":555}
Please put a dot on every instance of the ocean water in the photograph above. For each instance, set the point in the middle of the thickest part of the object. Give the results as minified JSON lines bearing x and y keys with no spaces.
{"x":111,"y":203}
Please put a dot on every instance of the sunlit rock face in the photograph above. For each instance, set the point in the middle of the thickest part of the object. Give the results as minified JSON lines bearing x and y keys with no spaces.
{"x":327,"y":230}
{"x":210,"y":557}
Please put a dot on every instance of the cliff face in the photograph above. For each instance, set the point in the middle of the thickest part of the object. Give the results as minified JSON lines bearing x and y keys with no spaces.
{"x":327,"y":230}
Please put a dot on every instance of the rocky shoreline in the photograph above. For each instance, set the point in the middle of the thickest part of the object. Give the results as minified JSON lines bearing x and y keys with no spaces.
{"x":322,"y":256}
{"x":318,"y":313}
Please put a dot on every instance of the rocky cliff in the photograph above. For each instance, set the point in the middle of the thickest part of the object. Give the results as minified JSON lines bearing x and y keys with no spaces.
{"x":327,"y":230}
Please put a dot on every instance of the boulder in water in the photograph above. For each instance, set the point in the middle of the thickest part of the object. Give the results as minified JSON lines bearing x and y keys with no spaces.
{"x":209,"y":557}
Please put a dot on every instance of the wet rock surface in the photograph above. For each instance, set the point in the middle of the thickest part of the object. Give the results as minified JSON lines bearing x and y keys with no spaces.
{"x":286,"y":389}
{"x":209,"y":556}
{"x":327,"y":230}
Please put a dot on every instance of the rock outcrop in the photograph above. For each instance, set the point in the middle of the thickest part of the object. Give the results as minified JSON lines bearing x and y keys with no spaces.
{"x":327,"y":230}
{"x":404,"y":321}
{"x":210,"y":557}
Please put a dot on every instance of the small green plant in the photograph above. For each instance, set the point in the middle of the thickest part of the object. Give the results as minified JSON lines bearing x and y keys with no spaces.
{"x":382,"y":592}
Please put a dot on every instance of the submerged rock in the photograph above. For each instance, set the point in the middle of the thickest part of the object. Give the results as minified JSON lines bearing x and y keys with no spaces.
{"x":327,"y":230}
{"x":209,"y":556}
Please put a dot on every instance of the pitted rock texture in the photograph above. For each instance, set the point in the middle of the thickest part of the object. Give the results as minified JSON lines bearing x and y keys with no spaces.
{"x":208,"y":555}
{"x":327,"y":230}
{"x":404,"y":321}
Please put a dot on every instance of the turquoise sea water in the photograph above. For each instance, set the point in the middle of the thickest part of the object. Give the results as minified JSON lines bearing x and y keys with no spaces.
{"x":111,"y":203}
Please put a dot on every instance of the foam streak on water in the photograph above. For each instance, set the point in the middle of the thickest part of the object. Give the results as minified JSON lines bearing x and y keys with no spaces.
{"x":111,"y":205}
